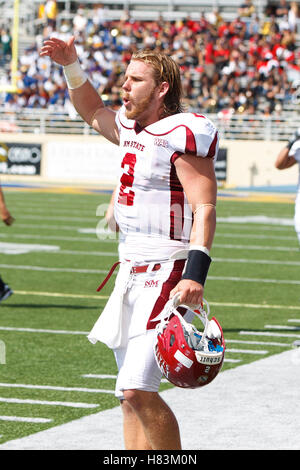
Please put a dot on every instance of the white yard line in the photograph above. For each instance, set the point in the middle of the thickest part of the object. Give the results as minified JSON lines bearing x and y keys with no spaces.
{"x":283,"y":327}
{"x":60,"y":294}
{"x":62,"y":389}
{"x":250,"y":279}
{"x":56,"y":270}
{"x":101,"y":271}
{"x":106,"y":239}
{"x":216,"y":304}
{"x":247,"y":351}
{"x":257,"y":247}
{"x":25,"y":420}
{"x":252,"y":261}
{"x":258,"y":343}
{"x":38,"y":330}
{"x":55,"y":237}
{"x":260,"y":306}
{"x":255,"y":235}
{"x":268,"y":333}
{"x":28,"y":401}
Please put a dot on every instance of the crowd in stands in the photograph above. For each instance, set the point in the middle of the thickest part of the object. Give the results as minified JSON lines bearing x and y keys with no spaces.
{"x":248,"y":65}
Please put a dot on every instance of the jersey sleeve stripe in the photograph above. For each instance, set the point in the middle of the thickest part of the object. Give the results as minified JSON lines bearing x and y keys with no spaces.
{"x":212,"y":149}
{"x":176,"y":206}
{"x":175,"y":156}
{"x":190,"y":145}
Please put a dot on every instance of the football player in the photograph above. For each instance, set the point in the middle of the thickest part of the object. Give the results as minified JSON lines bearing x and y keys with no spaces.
{"x":287,"y":157}
{"x":165,"y":208}
{"x":5,"y":290}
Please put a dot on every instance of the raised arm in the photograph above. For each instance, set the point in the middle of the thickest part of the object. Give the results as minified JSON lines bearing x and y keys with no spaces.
{"x":83,"y":95}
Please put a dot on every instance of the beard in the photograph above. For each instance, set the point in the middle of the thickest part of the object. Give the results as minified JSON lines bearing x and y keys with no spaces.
{"x":138,"y":109}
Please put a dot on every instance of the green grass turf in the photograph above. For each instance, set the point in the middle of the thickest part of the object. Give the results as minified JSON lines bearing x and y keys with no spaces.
{"x":40,"y":358}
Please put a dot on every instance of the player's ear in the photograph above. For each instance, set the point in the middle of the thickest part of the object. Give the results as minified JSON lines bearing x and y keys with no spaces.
{"x":164,"y":88}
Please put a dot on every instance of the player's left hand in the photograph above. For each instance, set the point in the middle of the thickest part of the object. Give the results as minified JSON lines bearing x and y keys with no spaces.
{"x":191,"y":292}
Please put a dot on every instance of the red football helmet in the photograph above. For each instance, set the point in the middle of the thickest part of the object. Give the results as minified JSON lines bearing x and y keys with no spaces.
{"x":187,"y":357}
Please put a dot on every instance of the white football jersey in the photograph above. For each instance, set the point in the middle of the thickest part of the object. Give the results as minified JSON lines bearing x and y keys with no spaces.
{"x":151,"y":207}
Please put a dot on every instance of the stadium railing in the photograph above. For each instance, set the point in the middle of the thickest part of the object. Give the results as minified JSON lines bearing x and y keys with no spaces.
{"x":233,"y":127}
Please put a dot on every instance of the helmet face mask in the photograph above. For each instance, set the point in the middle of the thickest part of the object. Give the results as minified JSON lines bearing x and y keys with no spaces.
{"x":187,"y":357}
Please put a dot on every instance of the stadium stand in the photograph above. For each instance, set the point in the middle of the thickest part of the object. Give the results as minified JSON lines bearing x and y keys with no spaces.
{"x":240,"y":60}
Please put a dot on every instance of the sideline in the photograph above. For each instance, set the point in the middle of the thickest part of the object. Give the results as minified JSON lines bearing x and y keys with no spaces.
{"x":251,"y":407}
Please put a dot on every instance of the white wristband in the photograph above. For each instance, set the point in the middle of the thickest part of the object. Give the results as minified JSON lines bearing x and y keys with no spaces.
{"x":200,"y":248}
{"x":75,"y":76}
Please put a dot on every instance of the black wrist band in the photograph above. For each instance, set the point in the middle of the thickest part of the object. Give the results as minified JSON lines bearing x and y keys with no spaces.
{"x":197,"y":266}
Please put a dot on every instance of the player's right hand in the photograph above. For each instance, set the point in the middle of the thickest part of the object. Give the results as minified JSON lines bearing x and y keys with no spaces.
{"x":63,"y":53}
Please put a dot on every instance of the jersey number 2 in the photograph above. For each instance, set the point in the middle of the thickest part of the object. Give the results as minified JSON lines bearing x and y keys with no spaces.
{"x":126,"y":195}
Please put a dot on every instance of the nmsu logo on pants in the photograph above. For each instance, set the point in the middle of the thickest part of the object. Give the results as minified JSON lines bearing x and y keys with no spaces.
{"x":151,"y":283}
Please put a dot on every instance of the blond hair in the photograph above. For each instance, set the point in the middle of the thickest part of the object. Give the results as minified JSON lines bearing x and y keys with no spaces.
{"x":165,"y":69}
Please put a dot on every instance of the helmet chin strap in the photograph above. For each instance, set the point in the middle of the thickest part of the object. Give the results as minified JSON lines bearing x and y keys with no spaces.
{"x":211,"y":329}
{"x":198,"y":311}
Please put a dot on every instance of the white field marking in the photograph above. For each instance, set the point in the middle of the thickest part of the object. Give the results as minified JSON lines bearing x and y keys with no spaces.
{"x":39,"y":209}
{"x":217,"y":260}
{"x":255,"y":235}
{"x":268,"y":333}
{"x":248,"y":228}
{"x":62,"y":389}
{"x":247,"y":351}
{"x":93,"y":229}
{"x":38,"y":330}
{"x":53,"y":237}
{"x":91,"y":253}
{"x":256,"y":247}
{"x":46,"y":402}
{"x":238,"y":305}
{"x":56,"y":218}
{"x":254,"y":261}
{"x":283,"y":327}
{"x":112,"y":240}
{"x":22,"y":248}
{"x":56,"y":270}
{"x":58,"y":294}
{"x":250,"y":279}
{"x":25,"y":420}
{"x":57,"y":228}
{"x":101,"y":271}
{"x":294,"y":320}
{"x":263,"y":343}
{"x":108,"y":376}
{"x":232,"y":219}
{"x":231,"y":360}
{"x":257,"y":219}
{"x":99,"y":376}
{"x":216,"y":304}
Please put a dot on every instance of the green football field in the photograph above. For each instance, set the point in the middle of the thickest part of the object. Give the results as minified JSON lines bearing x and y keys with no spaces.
{"x":51,"y":257}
